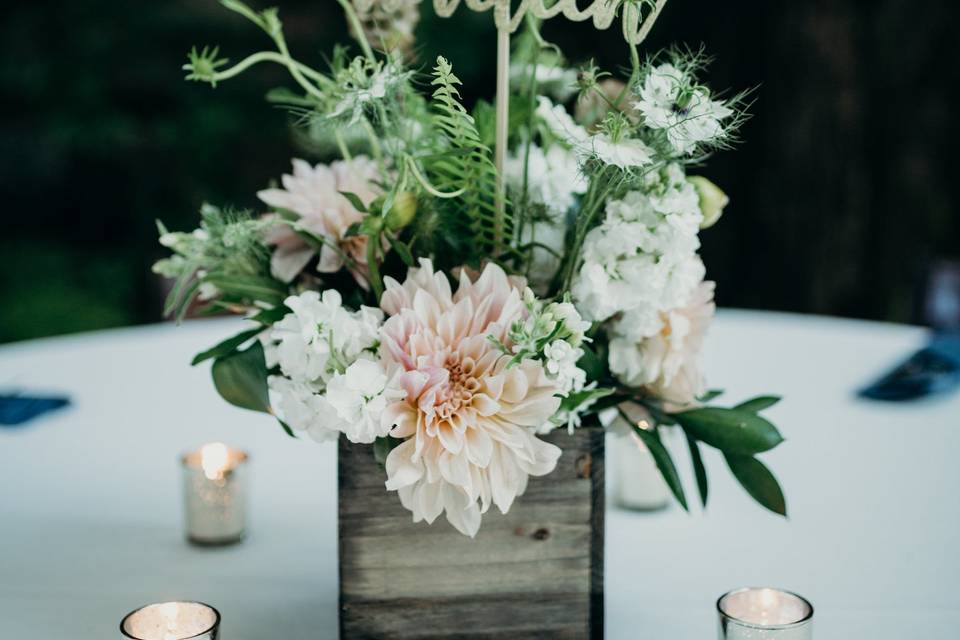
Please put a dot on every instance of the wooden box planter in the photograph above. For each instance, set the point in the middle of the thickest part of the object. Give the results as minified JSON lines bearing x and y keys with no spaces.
{"x":536,"y":572}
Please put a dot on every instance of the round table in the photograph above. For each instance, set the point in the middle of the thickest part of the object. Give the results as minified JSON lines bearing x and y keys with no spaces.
{"x":90,"y":497}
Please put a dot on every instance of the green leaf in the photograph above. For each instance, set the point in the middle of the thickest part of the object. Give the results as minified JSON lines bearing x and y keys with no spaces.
{"x":226,"y":347}
{"x":270,"y":316}
{"x":759,"y":482}
{"x":256,"y":288}
{"x":355,"y":201}
{"x":698,"y":469}
{"x":664,"y":462}
{"x":592,"y":364}
{"x":287,"y":429}
{"x":383,"y":446}
{"x":730,"y":430}
{"x":403,"y":251}
{"x":756,"y":405}
{"x":712,"y":394}
{"x":578,"y":399}
{"x":241,"y":378}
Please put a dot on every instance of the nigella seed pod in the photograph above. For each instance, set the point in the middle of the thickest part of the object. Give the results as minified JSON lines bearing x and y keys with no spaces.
{"x":402,"y":212}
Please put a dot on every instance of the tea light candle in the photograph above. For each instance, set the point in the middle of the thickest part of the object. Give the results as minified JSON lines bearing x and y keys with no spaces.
{"x":172,"y":621}
{"x":764,"y":614}
{"x":215,"y":494}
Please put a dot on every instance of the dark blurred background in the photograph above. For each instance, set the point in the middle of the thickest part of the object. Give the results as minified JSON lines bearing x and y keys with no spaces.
{"x":842,"y":193}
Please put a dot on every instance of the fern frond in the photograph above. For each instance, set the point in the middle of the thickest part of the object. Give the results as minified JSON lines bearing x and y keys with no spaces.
{"x":466,"y":164}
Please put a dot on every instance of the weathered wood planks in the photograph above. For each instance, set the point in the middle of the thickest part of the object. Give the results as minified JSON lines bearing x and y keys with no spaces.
{"x":536,"y":572}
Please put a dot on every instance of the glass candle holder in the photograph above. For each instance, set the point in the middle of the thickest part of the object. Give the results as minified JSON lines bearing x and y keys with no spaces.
{"x":764,"y":614}
{"x":172,"y":621}
{"x":639,"y":485}
{"x":215,"y":495}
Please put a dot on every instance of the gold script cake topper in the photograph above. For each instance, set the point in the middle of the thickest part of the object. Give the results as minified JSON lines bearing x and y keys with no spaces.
{"x":602,"y":12}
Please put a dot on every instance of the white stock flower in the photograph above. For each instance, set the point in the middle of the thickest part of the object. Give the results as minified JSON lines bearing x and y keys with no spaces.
{"x":687,"y":114}
{"x":320,"y":337}
{"x":359,"y":397}
{"x":305,"y":410}
{"x":642,"y":258}
{"x":573,"y":323}
{"x":554,"y":178}
{"x":560,"y":123}
{"x":561,"y":367}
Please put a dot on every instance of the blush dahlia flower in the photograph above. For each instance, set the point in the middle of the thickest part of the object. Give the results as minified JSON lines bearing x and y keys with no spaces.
{"x":468,"y":420}
{"x":316,"y":195}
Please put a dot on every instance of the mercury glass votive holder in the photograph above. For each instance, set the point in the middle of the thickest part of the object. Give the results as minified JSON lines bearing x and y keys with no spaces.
{"x":215,"y":495}
{"x":764,"y":614}
{"x":172,"y":621}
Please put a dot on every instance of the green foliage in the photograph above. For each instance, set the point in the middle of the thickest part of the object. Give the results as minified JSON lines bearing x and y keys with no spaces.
{"x":241,"y":378}
{"x":651,"y":438}
{"x":227,"y":347}
{"x":225,"y":258}
{"x":739,"y":434}
{"x":383,"y":446}
{"x":758,"y":481}
{"x":698,"y":469}
{"x":730,"y":430}
{"x":466,"y":165}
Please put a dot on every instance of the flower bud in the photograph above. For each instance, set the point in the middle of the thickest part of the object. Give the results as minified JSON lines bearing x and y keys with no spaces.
{"x":712,"y":200}
{"x":402,"y":212}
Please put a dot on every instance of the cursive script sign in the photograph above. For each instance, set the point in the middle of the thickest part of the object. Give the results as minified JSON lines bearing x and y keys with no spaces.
{"x":602,"y":12}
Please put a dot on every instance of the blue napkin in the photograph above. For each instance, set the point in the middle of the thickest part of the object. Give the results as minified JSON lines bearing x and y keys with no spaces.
{"x":933,"y":369}
{"x":17,"y":409}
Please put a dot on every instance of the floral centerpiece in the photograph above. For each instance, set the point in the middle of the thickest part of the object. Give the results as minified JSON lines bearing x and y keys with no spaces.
{"x":408,"y":294}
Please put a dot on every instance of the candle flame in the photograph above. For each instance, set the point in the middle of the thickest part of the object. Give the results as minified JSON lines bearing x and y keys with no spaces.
{"x":215,"y":459}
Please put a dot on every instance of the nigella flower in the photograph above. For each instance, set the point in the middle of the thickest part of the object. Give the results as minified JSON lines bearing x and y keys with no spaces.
{"x":468,"y":419}
{"x":685,"y":112}
{"x":623,"y":152}
{"x":315,"y":194}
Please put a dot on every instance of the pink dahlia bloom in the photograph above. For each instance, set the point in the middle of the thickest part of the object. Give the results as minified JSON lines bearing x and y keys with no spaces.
{"x":468,"y":420}
{"x":315,"y":194}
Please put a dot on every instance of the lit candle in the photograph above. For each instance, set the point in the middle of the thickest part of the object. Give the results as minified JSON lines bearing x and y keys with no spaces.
{"x":172,"y":621}
{"x":764,"y":614}
{"x":215,"y":494}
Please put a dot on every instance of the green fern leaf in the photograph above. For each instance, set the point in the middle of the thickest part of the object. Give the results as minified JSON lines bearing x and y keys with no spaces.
{"x":467,"y":164}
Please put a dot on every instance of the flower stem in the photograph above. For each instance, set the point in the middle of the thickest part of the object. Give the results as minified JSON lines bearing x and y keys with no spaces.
{"x":354,"y":22}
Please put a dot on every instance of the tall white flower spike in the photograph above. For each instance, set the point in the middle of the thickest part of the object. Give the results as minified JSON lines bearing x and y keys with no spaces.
{"x":602,"y":12}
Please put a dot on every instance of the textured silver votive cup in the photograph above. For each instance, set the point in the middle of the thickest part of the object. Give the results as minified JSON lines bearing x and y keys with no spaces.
{"x":764,"y":613}
{"x":215,"y":495}
{"x":172,"y":621}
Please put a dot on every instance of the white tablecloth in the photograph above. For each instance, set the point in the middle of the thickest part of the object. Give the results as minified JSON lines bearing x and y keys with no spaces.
{"x":90,"y":523}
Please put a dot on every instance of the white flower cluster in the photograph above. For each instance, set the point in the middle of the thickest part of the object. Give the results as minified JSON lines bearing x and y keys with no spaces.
{"x":553,"y":181}
{"x":553,"y":334}
{"x":331,"y":382}
{"x":640,"y":265}
{"x":670,"y":101}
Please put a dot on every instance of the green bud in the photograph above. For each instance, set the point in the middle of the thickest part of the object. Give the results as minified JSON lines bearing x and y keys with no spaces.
{"x":712,"y":200}
{"x":402,"y":212}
